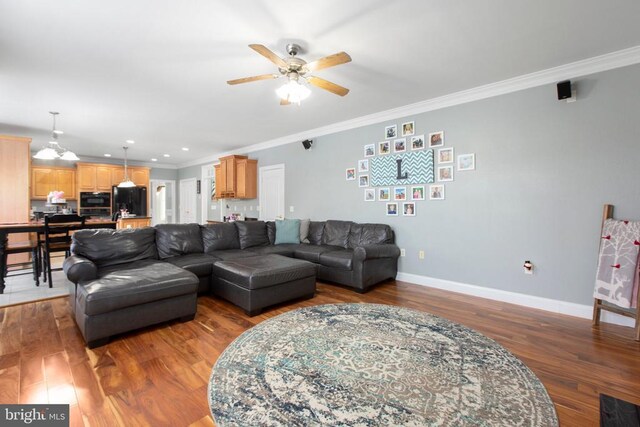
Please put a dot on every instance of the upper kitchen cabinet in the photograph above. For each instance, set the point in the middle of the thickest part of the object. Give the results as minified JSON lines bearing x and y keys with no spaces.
{"x":236,"y":178}
{"x":47,"y":179}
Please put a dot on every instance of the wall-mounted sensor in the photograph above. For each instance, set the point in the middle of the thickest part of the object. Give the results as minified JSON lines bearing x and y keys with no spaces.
{"x":528,"y":267}
{"x":566,"y":91}
{"x":307,"y":144}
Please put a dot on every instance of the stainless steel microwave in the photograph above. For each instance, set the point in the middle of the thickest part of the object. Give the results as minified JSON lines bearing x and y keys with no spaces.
{"x":95,"y":200}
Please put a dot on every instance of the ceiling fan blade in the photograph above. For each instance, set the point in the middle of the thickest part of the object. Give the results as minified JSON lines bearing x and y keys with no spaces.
{"x":327,"y":85}
{"x":264,"y":51}
{"x":327,"y":61}
{"x":253,"y":79}
{"x":284,"y":102}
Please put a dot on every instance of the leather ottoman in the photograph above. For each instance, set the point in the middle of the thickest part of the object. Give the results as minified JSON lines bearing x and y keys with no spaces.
{"x":260,"y":281}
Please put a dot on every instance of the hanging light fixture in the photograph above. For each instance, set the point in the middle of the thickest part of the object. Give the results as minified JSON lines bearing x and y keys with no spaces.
{"x":293,"y":91}
{"x":126,"y":182}
{"x":53,"y":150}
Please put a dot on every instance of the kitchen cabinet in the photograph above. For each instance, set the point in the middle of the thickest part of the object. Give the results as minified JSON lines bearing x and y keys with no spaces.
{"x":133,"y":222}
{"x":46,"y":179}
{"x":94,"y":177}
{"x":117,"y":175}
{"x":140,"y":176}
{"x":236,"y":178}
{"x":86,"y":174}
{"x":103,"y":178}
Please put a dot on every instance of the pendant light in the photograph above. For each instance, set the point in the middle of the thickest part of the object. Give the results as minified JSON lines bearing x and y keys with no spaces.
{"x":126,"y":182}
{"x":53,"y":150}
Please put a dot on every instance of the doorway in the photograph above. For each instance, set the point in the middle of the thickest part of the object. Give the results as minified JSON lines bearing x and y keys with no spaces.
{"x":271,"y":192}
{"x":188,"y":202}
{"x":163,"y":201}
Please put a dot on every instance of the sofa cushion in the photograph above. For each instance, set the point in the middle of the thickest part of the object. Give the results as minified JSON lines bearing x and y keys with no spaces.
{"x":304,"y":230}
{"x":285,"y":249}
{"x":287,"y":231}
{"x":369,"y":234}
{"x":232,"y":254}
{"x":336,"y":233}
{"x":263,"y":271}
{"x":198,"y":264}
{"x":133,"y":284}
{"x":342,"y":259}
{"x":216,"y":237}
{"x":312,"y":252}
{"x":252,"y":233}
{"x":178,"y":239}
{"x":316,"y":228}
{"x":112,"y":247}
{"x":271,"y":232}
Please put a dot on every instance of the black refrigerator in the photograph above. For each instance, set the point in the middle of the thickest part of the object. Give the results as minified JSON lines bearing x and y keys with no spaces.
{"x":133,"y":199}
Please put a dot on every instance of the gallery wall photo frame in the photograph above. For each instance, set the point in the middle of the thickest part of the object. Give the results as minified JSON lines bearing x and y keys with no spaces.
{"x":466,"y":162}
{"x":384,"y":194}
{"x":409,"y":209}
{"x":436,"y":139}
{"x":391,"y":132}
{"x":445,"y":155}
{"x":445,"y":173}
{"x":350,"y":174}
{"x":417,"y":192}
{"x":363,"y":181}
{"x":399,"y":193}
{"x":400,"y":145}
{"x":384,"y":148}
{"x":408,"y":128}
{"x":436,"y":192}
{"x":363,"y":165}
{"x":370,"y":150}
{"x":392,"y":209}
{"x":369,"y":195}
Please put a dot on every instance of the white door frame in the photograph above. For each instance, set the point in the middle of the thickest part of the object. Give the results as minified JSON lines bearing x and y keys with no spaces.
{"x":260,"y":196}
{"x":173,"y":193}
{"x":195,"y":199}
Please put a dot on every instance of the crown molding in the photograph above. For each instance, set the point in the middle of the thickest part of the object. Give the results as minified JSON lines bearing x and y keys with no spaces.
{"x":596,"y":64}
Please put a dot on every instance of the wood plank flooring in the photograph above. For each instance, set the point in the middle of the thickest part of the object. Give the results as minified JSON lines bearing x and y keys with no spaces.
{"x":159,"y":375}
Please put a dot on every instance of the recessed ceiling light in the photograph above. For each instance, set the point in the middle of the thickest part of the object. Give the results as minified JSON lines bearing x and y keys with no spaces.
{"x":185,"y":149}
{"x":154,"y":160}
{"x":130,"y":141}
{"x":107,"y":155}
{"x":166,"y":155}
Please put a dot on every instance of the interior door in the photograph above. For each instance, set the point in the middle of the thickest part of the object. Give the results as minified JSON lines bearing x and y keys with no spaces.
{"x":272,"y":192}
{"x":188,"y":202}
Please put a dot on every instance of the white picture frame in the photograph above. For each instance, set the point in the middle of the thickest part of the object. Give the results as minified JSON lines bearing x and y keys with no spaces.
{"x":392,"y":209}
{"x":390,"y":132}
{"x":436,"y":139}
{"x":436,"y":192}
{"x":400,"y":145}
{"x":384,"y":194}
{"x":466,"y":162}
{"x":369,"y":195}
{"x":399,"y":193}
{"x":384,"y":148}
{"x":369,"y":150}
{"x":445,"y":155}
{"x":417,"y":192}
{"x":408,"y":128}
{"x":445,"y":173}
{"x":409,"y":209}
{"x":417,"y":142}
{"x":363,"y":181}
{"x":363,"y":165}
{"x":350,"y":174}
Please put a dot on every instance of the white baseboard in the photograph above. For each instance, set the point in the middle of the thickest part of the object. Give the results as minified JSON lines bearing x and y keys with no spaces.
{"x":547,"y":304}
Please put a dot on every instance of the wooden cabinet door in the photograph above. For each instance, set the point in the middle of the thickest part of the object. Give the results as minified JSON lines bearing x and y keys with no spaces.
{"x":117,"y":175}
{"x":140,"y":176}
{"x":43,"y":181}
{"x":230,"y":178}
{"x":246,"y":176}
{"x":103,"y":178}
{"x":66,"y":181}
{"x":86,"y":178}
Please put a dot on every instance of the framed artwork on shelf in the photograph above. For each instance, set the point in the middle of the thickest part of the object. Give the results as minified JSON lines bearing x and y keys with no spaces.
{"x":392,"y":209}
{"x":445,"y":173}
{"x":417,"y":142}
{"x":391,"y":132}
{"x":384,"y":148}
{"x":384,"y":194}
{"x":436,"y":139}
{"x":369,"y":195}
{"x":400,"y":145}
{"x":370,"y":150}
{"x":466,"y":162}
{"x":436,"y":192}
{"x":363,"y":181}
{"x":445,"y":155}
{"x":350,"y":174}
{"x":400,"y":193}
{"x":408,"y":128}
{"x":409,"y":209}
{"x":417,"y":192}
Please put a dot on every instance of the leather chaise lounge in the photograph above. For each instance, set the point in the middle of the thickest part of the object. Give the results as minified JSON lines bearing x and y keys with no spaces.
{"x":127,"y":279}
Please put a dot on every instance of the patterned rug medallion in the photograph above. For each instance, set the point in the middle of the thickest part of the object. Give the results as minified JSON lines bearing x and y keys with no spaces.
{"x":370,"y":365}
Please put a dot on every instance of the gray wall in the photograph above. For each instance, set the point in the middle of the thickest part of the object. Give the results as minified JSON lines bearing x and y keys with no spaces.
{"x":544,"y":169}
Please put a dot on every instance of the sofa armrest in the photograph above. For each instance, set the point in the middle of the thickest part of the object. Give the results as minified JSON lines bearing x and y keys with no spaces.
{"x":78,"y":268}
{"x":386,"y":250}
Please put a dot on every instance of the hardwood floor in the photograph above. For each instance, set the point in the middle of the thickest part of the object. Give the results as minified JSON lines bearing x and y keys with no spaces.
{"x":159,"y":375}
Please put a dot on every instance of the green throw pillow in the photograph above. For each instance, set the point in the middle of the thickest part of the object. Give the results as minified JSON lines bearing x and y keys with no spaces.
{"x":287,"y":231}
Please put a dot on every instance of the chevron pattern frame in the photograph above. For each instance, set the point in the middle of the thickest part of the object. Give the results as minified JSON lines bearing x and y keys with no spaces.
{"x":418,"y":165}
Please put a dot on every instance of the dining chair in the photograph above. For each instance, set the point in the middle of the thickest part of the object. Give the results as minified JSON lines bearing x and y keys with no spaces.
{"x":28,"y":246}
{"x":57,"y":238}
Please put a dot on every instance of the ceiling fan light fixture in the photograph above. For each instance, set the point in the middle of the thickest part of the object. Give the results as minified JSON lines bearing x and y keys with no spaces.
{"x":293,"y":92}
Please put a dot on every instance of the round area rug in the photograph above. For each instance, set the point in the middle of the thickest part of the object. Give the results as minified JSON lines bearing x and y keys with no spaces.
{"x":370,"y":365}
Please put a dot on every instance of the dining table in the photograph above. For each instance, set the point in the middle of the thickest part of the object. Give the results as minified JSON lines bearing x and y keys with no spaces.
{"x":36,"y":227}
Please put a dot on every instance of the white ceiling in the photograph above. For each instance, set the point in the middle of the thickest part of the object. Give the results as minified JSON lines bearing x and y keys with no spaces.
{"x":155,"y":71}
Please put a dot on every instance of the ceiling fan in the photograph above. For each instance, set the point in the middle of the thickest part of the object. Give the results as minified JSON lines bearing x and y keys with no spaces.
{"x":295,"y":69}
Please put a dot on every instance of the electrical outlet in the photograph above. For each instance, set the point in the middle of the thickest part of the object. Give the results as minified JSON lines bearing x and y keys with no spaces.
{"x":214,"y":207}
{"x":290,"y":208}
{"x":421,"y":254}
{"x":401,"y":252}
